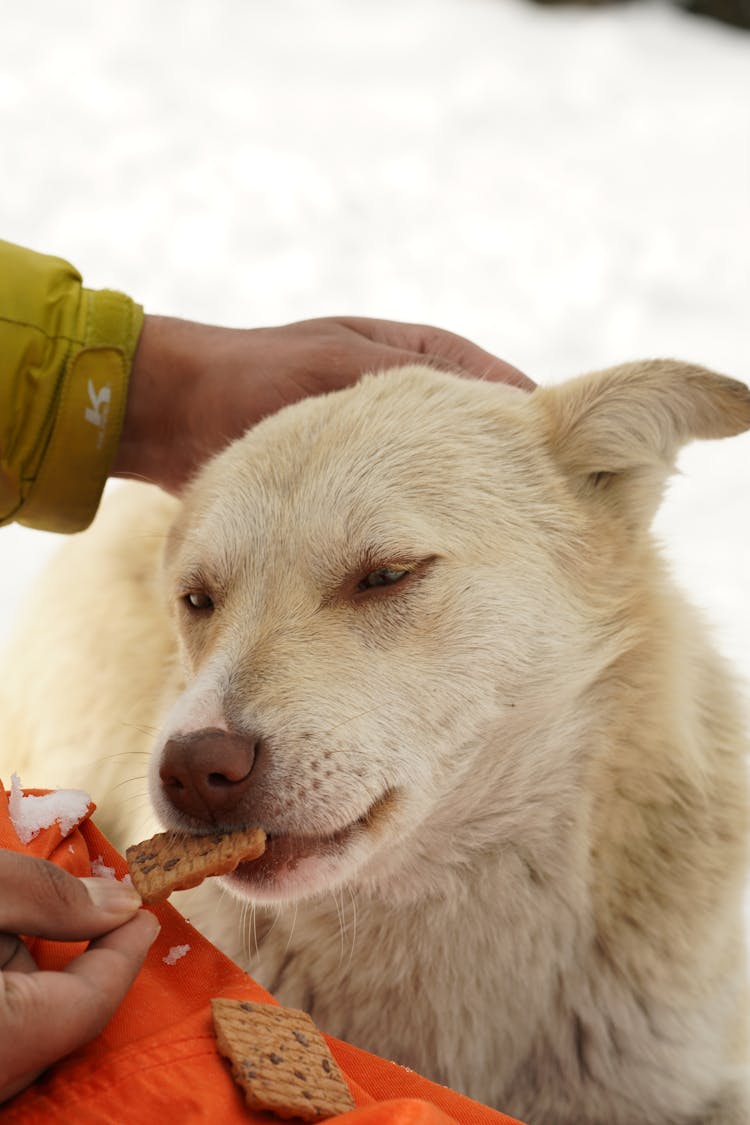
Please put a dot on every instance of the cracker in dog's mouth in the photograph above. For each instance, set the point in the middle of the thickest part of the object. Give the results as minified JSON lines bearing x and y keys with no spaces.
{"x":286,"y":852}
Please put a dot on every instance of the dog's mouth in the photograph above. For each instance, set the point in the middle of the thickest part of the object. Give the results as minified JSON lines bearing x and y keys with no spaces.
{"x":287,"y":854}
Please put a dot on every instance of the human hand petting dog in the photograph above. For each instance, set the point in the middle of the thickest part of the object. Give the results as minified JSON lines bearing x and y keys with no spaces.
{"x":195,"y":387}
{"x":45,"y":1015}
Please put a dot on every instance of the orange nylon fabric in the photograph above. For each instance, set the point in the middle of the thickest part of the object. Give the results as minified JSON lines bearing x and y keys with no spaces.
{"x":156,"y":1060}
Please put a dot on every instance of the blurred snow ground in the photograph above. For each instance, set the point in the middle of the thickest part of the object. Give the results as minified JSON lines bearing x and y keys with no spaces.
{"x":568,"y":187}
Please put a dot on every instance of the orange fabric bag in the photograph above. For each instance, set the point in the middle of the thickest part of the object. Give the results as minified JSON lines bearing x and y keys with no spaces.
{"x":156,"y":1060}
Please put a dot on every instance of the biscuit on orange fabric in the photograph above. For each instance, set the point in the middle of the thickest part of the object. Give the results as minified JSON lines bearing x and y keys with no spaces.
{"x":280,"y":1060}
{"x":168,"y":862}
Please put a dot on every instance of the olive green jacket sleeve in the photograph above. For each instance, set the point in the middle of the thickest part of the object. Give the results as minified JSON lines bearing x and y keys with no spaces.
{"x":65,"y":359}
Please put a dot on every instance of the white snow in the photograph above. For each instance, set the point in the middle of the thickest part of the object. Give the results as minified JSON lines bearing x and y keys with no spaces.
{"x":101,"y":870}
{"x":175,"y":954}
{"x":29,"y":814}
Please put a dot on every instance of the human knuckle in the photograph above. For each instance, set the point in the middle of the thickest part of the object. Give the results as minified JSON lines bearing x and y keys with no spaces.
{"x":18,"y":1005}
{"x":9,"y":946}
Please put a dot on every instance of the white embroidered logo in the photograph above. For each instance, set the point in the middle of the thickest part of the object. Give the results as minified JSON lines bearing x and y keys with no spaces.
{"x":98,"y":411}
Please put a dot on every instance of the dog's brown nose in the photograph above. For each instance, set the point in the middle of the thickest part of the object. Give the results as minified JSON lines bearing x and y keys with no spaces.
{"x":206,"y":773}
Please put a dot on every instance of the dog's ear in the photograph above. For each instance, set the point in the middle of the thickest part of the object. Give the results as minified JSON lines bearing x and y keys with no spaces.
{"x":619,"y":431}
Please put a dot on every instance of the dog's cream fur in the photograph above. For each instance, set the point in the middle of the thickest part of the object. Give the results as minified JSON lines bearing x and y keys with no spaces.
{"x":540,"y":900}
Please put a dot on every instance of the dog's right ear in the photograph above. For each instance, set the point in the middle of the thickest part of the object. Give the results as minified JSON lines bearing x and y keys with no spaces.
{"x":618,"y":431}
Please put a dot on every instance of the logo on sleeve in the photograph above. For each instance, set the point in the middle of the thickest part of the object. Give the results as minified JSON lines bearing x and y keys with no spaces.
{"x":98,"y":410}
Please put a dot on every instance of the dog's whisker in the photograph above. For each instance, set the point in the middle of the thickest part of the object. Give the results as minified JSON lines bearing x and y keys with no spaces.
{"x":291,"y":928}
{"x":340,"y":917}
{"x":256,"y":943}
{"x":142,"y":728}
{"x":353,"y":898}
{"x":351,"y":719}
{"x":244,"y":911}
{"x":139,"y":796}
{"x":244,"y":934}
{"x":275,"y":920}
{"x":142,"y":822}
{"x":128,"y":781}
{"x":247,"y":924}
{"x":100,"y":759}
{"x":250,"y":930}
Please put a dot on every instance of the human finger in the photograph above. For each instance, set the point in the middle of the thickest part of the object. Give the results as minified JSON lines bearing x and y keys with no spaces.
{"x":87,"y":993}
{"x":474,"y":360}
{"x":39,"y":898}
{"x":421,"y":342}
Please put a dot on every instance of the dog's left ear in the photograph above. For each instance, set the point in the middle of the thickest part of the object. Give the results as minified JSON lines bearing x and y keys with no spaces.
{"x":619,"y":431}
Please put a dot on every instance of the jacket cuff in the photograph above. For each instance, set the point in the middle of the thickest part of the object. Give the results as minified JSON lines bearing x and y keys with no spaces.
{"x":88,"y":417}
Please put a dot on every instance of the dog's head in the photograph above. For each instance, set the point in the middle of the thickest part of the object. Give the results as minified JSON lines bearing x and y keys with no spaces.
{"x":388,"y":597}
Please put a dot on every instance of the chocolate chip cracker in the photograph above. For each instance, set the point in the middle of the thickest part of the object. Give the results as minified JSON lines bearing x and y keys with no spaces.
{"x":280,"y":1060}
{"x":168,"y":862}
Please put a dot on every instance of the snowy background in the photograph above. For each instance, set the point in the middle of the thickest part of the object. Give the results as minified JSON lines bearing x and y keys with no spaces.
{"x":570,"y":188}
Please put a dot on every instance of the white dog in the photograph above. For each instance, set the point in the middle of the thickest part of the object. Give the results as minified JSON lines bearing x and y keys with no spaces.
{"x":418,"y":631}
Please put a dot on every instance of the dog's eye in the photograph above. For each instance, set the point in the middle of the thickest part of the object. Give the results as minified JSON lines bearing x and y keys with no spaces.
{"x":384,"y":576}
{"x":198,"y":600}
